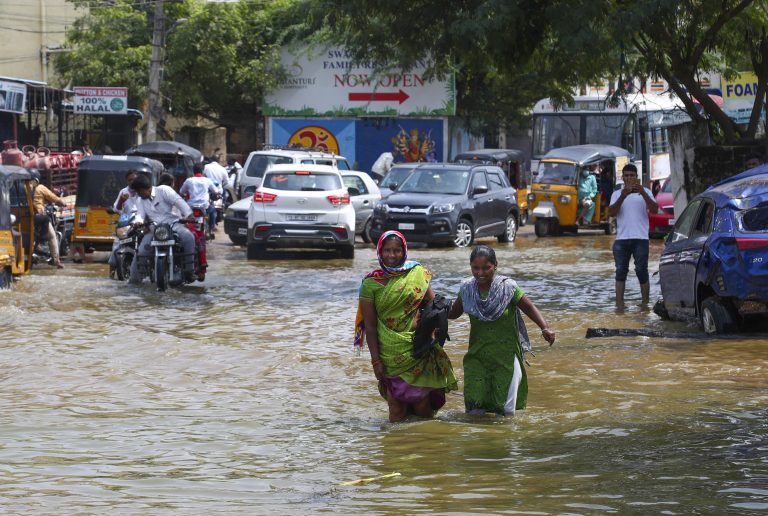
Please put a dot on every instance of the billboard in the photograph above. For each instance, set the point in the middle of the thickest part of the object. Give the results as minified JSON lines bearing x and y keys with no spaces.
{"x":100,"y":101}
{"x":13,"y":95}
{"x":363,"y":140}
{"x":739,"y":96}
{"x":330,"y":83}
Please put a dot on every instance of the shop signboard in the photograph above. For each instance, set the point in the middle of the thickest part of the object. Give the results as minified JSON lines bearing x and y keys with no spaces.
{"x":331,"y":84}
{"x":739,"y":96}
{"x":13,"y":96}
{"x":100,"y":100}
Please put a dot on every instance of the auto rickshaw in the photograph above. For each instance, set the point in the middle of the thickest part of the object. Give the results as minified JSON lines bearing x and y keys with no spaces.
{"x":99,"y":181}
{"x":17,"y":224}
{"x":511,"y":162}
{"x":177,"y":158}
{"x":554,"y":199}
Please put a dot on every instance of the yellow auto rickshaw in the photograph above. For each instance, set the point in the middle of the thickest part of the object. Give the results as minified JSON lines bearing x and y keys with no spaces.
{"x":17,"y":224}
{"x":553,"y":199}
{"x":511,"y":162}
{"x":99,"y":181}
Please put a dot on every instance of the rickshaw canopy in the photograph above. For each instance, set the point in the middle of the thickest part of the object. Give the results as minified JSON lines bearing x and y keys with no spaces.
{"x":166,"y":149}
{"x":581,"y":155}
{"x":490,"y":156}
{"x":14,"y":173}
{"x":100,"y":178}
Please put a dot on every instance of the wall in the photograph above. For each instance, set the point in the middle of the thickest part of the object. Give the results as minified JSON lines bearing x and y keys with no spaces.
{"x":27,"y":28}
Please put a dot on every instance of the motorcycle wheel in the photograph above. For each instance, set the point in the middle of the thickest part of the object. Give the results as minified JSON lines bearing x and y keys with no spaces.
{"x":124,"y":262}
{"x":161,"y":275}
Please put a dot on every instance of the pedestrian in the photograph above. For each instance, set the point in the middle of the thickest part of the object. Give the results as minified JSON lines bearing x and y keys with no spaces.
{"x":494,"y":371}
{"x":587,"y":190}
{"x":753,"y":160}
{"x":41,"y":195}
{"x":386,"y":317}
{"x":630,"y":206}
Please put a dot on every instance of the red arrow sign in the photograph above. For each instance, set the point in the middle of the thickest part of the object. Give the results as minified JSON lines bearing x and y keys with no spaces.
{"x":400,"y":97}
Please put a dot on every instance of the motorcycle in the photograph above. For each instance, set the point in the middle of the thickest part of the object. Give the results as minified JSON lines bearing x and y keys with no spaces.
{"x":62,"y":228}
{"x":202,"y":222}
{"x":166,"y":267}
{"x":129,"y":237}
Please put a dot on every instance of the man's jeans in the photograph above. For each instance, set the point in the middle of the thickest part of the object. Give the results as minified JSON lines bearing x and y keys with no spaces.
{"x":623,"y":250}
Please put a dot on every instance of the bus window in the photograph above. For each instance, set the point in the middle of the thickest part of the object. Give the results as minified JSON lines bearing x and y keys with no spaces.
{"x":553,"y":132}
{"x":604,"y":129}
{"x":659,"y":141}
{"x":628,"y":135}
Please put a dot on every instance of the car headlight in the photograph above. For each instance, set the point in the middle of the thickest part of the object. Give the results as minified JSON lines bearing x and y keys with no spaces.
{"x":443,"y":208}
{"x":564,"y":199}
{"x":123,"y":232}
{"x":229,"y":213}
{"x":162,"y":233}
{"x":381,"y":207}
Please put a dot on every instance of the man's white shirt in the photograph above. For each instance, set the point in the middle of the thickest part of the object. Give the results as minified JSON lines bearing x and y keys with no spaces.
{"x":199,"y":190}
{"x":159,"y":208}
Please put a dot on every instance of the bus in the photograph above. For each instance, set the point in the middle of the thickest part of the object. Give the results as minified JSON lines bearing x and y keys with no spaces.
{"x":637,"y":123}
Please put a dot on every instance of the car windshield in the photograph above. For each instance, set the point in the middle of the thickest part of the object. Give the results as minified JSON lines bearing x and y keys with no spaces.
{"x":755,"y":219}
{"x":396,"y":175}
{"x":302,"y":181}
{"x":258,"y":164}
{"x":557,"y":173}
{"x":444,"y":181}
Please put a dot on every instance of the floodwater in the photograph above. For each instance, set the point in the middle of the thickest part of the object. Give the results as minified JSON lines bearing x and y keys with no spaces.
{"x":242,"y":395}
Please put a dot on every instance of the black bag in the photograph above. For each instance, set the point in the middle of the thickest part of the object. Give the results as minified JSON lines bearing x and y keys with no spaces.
{"x":432,"y":327}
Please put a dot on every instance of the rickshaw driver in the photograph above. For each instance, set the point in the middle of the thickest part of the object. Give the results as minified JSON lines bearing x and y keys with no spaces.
{"x":40,"y":195}
{"x":156,"y":204}
{"x":587,"y":191}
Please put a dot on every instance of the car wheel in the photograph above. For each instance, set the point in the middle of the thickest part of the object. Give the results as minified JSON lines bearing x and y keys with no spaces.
{"x":541,"y":227}
{"x":715,"y":317}
{"x":238,"y":239}
{"x":367,"y":232}
{"x":610,"y":228}
{"x":256,"y":252}
{"x":524,"y":218}
{"x":347,"y":252}
{"x":464,"y":234}
{"x":510,"y":230}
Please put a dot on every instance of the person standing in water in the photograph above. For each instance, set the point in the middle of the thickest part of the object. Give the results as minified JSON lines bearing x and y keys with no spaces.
{"x":386,"y":317}
{"x":494,"y":374}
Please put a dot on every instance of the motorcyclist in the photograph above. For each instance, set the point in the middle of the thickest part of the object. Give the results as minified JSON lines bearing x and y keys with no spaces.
{"x":156,"y":204}
{"x":40,"y":195}
{"x":218,"y":174}
{"x":198,"y":190}
{"x":124,"y":204}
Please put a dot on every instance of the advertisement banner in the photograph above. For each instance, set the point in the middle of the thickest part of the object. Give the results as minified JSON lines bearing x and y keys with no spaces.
{"x":739,"y":96}
{"x":100,"y":100}
{"x":331,"y":83}
{"x":13,"y":96}
{"x":363,"y":140}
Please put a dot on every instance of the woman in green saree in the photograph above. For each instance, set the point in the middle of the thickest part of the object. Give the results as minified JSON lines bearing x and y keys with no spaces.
{"x":494,"y":375}
{"x":387,"y":316}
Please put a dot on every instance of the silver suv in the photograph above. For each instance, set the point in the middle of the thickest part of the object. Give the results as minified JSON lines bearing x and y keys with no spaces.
{"x":259,"y":161}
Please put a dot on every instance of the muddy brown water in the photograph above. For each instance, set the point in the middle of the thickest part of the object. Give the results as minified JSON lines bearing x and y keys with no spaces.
{"x":242,"y":395}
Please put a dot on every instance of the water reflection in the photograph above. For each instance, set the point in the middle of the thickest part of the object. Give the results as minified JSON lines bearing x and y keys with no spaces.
{"x":242,"y":395}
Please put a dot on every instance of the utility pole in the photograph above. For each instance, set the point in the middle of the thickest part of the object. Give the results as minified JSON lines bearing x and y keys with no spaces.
{"x":155,"y":101}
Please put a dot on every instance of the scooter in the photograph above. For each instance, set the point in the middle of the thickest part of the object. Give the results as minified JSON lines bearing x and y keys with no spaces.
{"x":62,"y":228}
{"x":129,"y":237}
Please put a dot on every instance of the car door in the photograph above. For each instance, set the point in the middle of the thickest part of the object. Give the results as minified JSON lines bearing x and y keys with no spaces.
{"x":503,"y":200}
{"x":675,"y":261}
{"x":360,"y":198}
{"x":482,"y":202}
{"x":691,"y":254}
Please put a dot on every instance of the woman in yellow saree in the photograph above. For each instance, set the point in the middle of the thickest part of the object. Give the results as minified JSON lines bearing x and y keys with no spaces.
{"x":387,"y":315}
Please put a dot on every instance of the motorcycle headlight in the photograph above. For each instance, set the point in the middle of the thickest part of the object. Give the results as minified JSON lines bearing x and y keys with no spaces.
{"x":162,"y":233}
{"x":123,"y":232}
{"x":381,"y":207}
{"x":443,"y":208}
{"x":531,"y":197}
{"x":565,"y":199}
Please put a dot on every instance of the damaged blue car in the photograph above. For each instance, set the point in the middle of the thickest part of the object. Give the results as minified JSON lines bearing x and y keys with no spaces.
{"x":714,"y":266}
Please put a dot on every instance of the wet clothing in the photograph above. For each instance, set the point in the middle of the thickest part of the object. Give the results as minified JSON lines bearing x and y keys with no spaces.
{"x":408,"y":379}
{"x":494,"y":372}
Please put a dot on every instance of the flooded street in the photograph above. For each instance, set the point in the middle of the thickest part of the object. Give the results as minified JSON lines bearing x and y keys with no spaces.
{"x":243,"y":395}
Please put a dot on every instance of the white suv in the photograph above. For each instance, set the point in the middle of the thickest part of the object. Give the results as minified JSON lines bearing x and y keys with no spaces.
{"x":301,"y":206}
{"x":259,"y":161}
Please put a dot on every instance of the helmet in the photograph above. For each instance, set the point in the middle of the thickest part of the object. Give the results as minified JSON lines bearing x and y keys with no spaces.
{"x":35,"y":174}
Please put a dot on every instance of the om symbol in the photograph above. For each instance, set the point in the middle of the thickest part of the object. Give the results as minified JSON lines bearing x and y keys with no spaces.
{"x":314,"y":136}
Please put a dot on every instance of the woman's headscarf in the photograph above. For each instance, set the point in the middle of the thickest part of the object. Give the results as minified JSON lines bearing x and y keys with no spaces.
{"x":383,"y":272}
{"x":500,"y":294}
